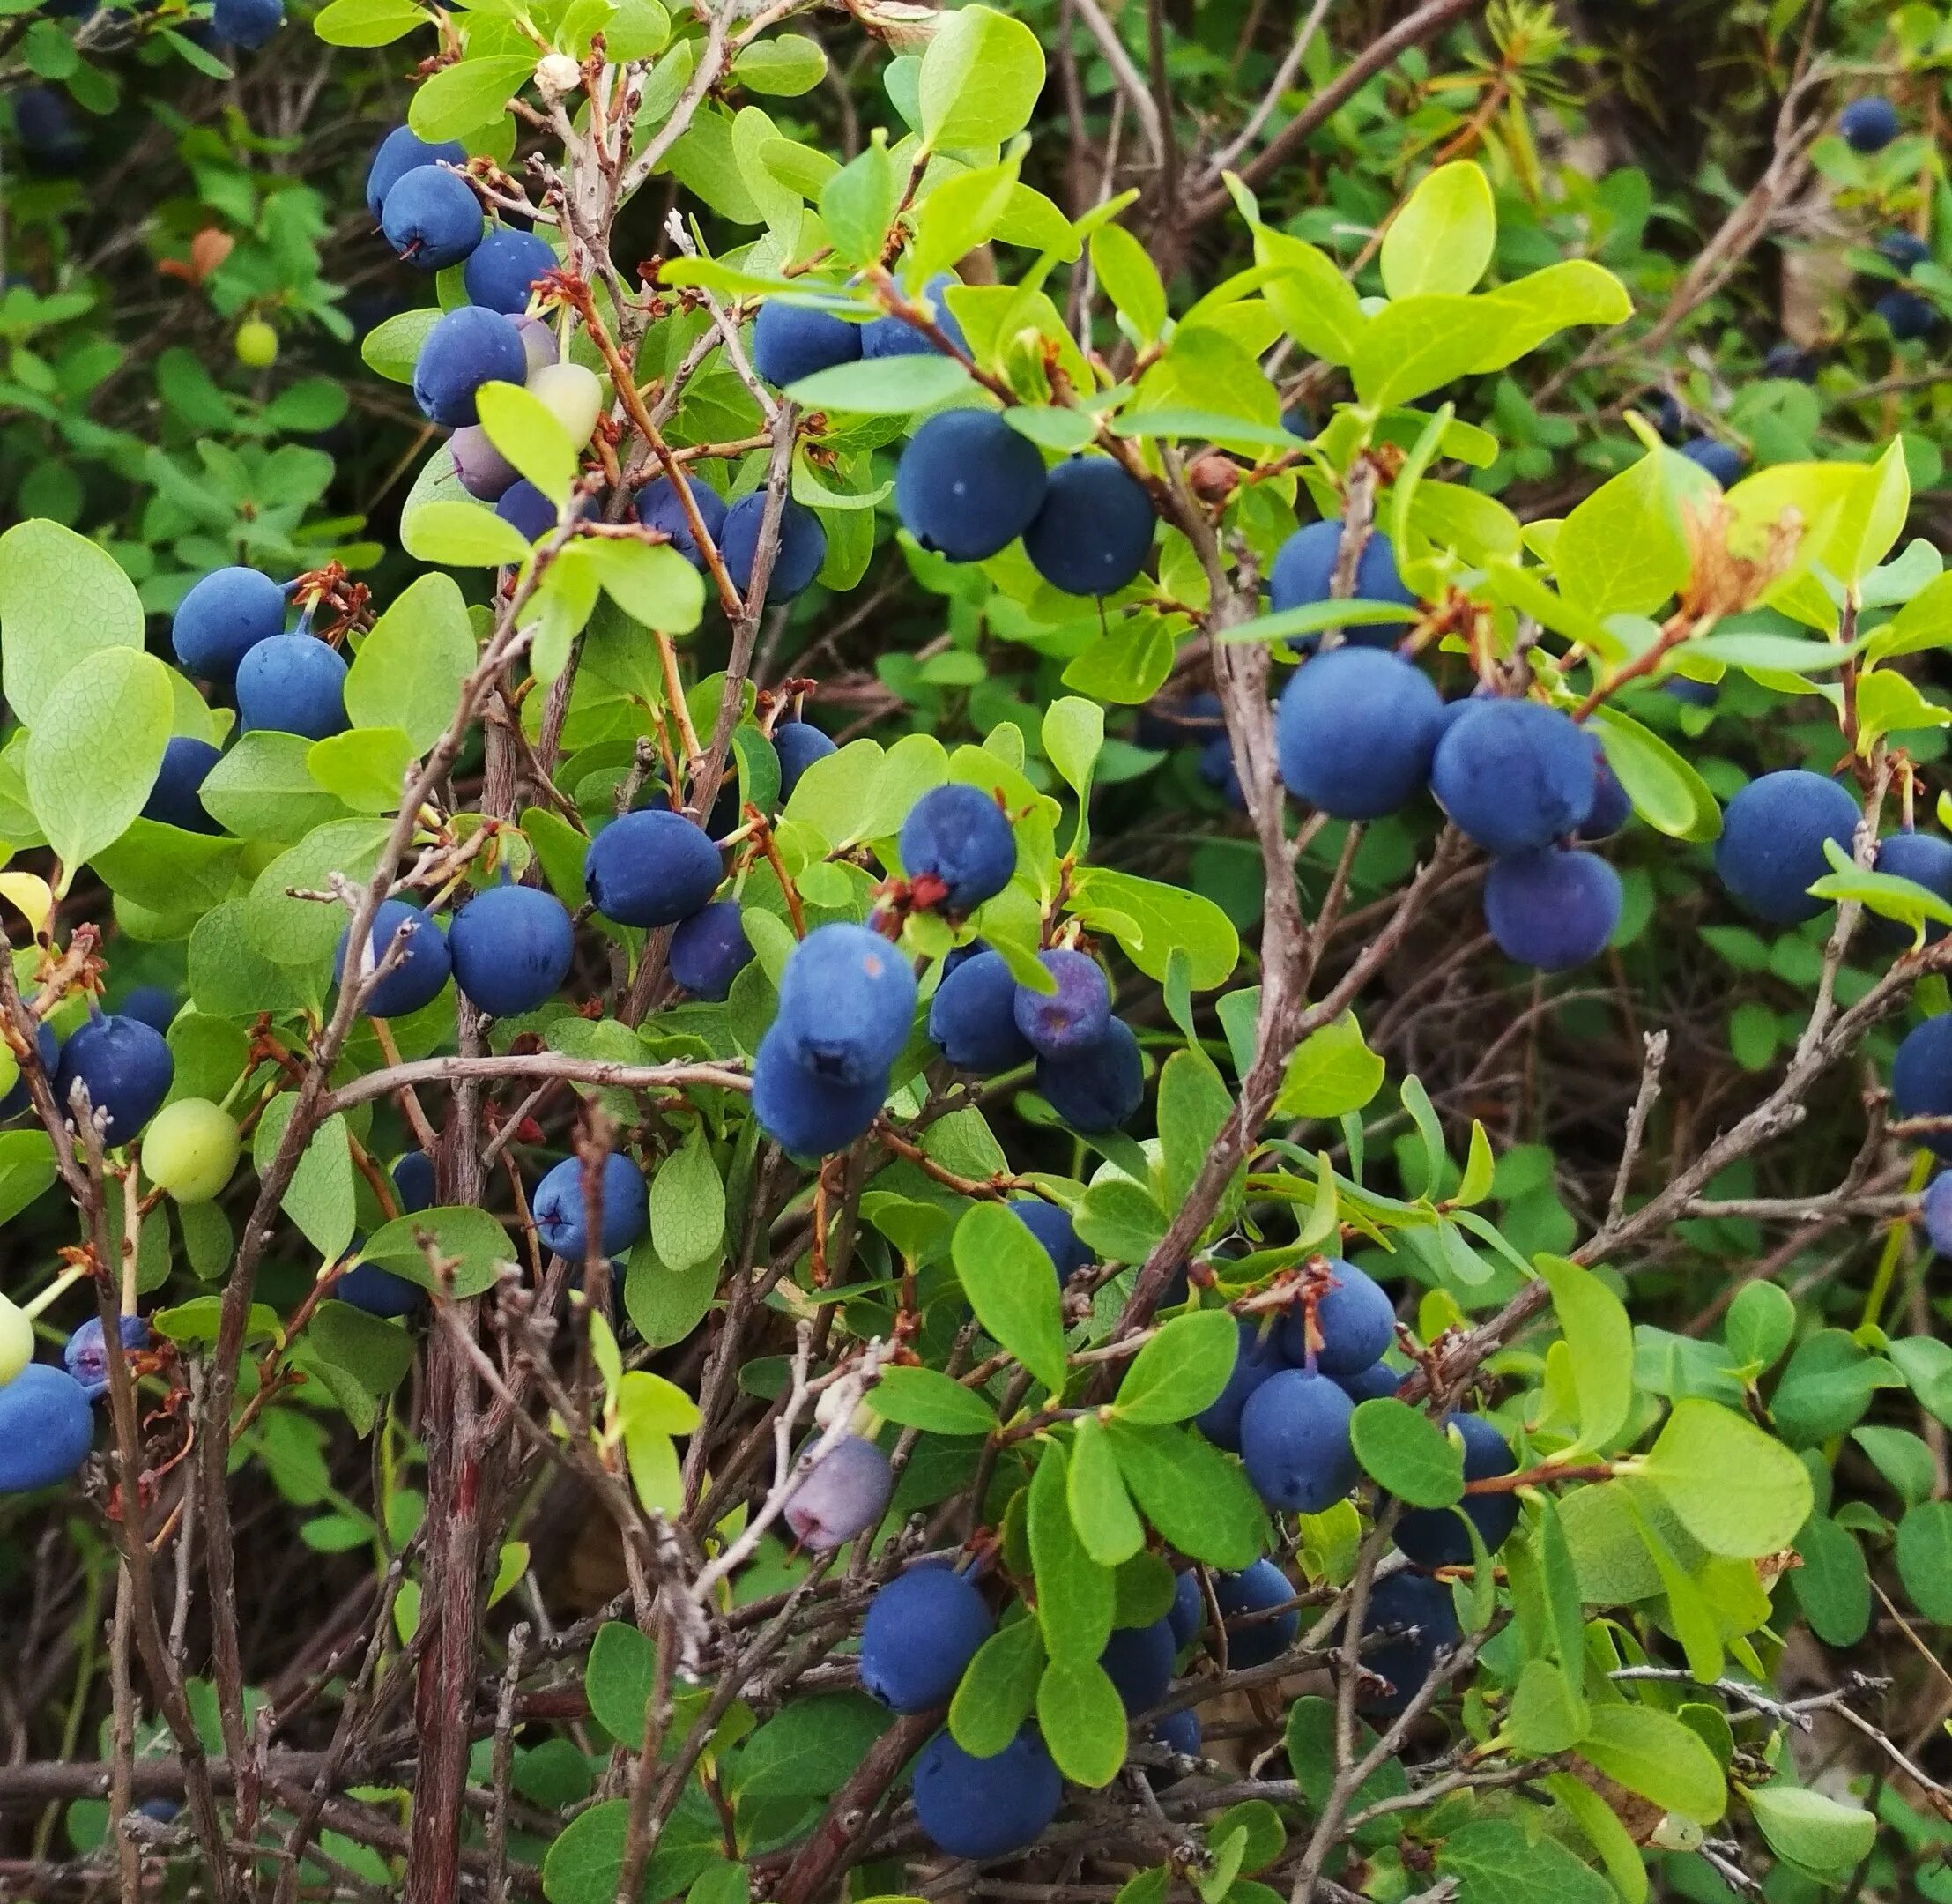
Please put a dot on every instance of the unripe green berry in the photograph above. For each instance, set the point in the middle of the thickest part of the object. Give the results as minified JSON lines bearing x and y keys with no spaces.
{"x":191,"y":1149}
{"x":572,"y":395}
{"x":256,"y":344}
{"x":16,"y":1341}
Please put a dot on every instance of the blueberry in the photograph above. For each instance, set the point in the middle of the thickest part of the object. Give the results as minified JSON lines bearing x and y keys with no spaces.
{"x":1664,"y":412}
{"x":1168,"y":724}
{"x":1188,"y":1612}
{"x":19,"y":1097}
{"x":1907,"y":315}
{"x":128,"y":1069}
{"x":1218,"y":770}
{"x":47,"y":128}
{"x":1551,"y":909}
{"x":846,"y":1004}
{"x":1094,"y":530}
{"x":1304,"y":573}
{"x":1436,"y":1536}
{"x":709,"y":949}
{"x":482,"y":469}
{"x":176,"y":797}
{"x":659,"y":507}
{"x":503,"y":267}
{"x":292,"y":684}
{"x":379,"y":1292}
{"x":511,"y":948}
{"x":844,"y":1495}
{"x":1138,"y":1661}
{"x":1371,"y":1384}
{"x":1692,"y":693}
{"x":921,"y":1631}
{"x":1790,"y":362}
{"x":1869,"y":124}
{"x":413,"y":1184}
{"x":85,"y":1352}
{"x":249,"y":23}
{"x":46,"y":1428}
{"x":972,"y":1017}
{"x":402,"y":151}
{"x":790,"y":342}
{"x":1925,"y":859}
{"x":1075,"y":1016}
{"x":538,"y":343}
{"x":1353,"y":1318}
{"x":798,"y":744}
{"x":1723,"y":461}
{"x":802,"y":546}
{"x":432,"y":220}
{"x":967,"y":485}
{"x":1257,"y":1356}
{"x":1355,"y":731}
{"x":1052,"y":1227}
{"x":1904,"y":251}
{"x":1177,"y":1731}
{"x":802,"y":1111}
{"x":985,"y":1808}
{"x":1295,"y":1442}
{"x":1255,"y":1590}
{"x":1937,"y":1213}
{"x":151,"y":1005}
{"x":421,"y":959}
{"x":651,"y":867}
{"x":223,"y":617}
{"x":1097,"y":1089}
{"x":1771,"y":851}
{"x":558,"y":1208}
{"x":467,"y":348}
{"x":1611,"y":808}
{"x":896,"y":337}
{"x":1422,"y":1613}
{"x":1921,"y":1078}
{"x":1513,"y":774}
{"x":958,"y":835}
{"x":525,"y":509}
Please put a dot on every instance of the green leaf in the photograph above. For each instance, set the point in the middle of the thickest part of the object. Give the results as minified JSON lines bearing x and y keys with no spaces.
{"x":62,"y":600}
{"x":1548,"y":1714}
{"x":1074,"y":1592}
{"x":1738,"y":1493}
{"x":583,"y":1865}
{"x":1494,"y":1862}
{"x":1833,"y":1585}
{"x":980,"y":78}
{"x":262,"y":789}
{"x":392,"y":347}
{"x":463,"y":99}
{"x":1193,"y":1106}
{"x":1130,"y":279}
{"x":461,"y":535}
{"x":1074,"y":733}
{"x":409,"y":670}
{"x":1655,"y":1755}
{"x":1812,"y":1830}
{"x":1119,"y":1220}
{"x":1182,"y":1370}
{"x":368,"y":23}
{"x":687,"y":1205}
{"x":1416,"y":344}
{"x":1760,"y":1322}
{"x":376,"y":1352}
{"x":1082,"y":1720}
{"x":1407,"y":1454}
{"x":1191,"y":1492}
{"x":94,"y":750}
{"x":1441,"y":239}
{"x":1665,"y":790}
{"x":1924,"y":1560}
{"x":650,"y":582}
{"x":618,"y":1679}
{"x":320,"y":1198}
{"x":1005,"y":1274}
{"x":1332,"y":1072}
{"x":809,"y":1749}
{"x":1164,"y":917}
{"x":304,"y":931}
{"x":1316,"y":305}
{"x":1622,"y":550}
{"x":1101,"y":1510}
{"x":927,"y":1399}
{"x":366,"y":767}
{"x":476,"y":1244}
{"x":886,"y":386}
{"x":26,"y":1170}
{"x":1599,"y":1344}
{"x":526,"y":431}
{"x":783,"y":67}
{"x":998,"y":1690}
{"x":858,"y":202}
{"x":1605,"y":1833}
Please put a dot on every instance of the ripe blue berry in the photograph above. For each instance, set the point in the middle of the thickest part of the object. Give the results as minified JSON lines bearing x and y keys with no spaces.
{"x":128,"y":1069}
{"x":379,"y":1292}
{"x":1921,"y":1077}
{"x":1295,"y":1442}
{"x":659,"y":507}
{"x":46,"y":1428}
{"x":175,"y":799}
{"x":651,"y":867}
{"x":47,"y":130}
{"x":1138,"y":1661}
{"x":85,"y":1353}
{"x":1255,"y":1590}
{"x":1177,"y":1731}
{"x":844,"y":1495}
{"x":1925,"y":859}
{"x":1790,"y":360}
{"x":896,"y":337}
{"x":525,"y":508}
{"x":802,"y":546}
{"x":1218,"y":770}
{"x":1371,"y":1384}
{"x":1257,"y":1356}
{"x":846,"y":1003}
{"x":1420,"y":1612}
{"x":420,"y":968}
{"x":798,"y":744}
{"x":921,"y":1631}
{"x":1052,"y":1227}
{"x":1076,"y":1016}
{"x":560,"y":1217}
{"x":432,"y":220}
{"x":399,"y":152}
{"x":1513,"y":774}
{"x":972,"y":1017}
{"x":1098,"y":1089}
{"x":292,"y":684}
{"x":1869,"y":124}
{"x":803,"y":1111}
{"x":511,"y":948}
{"x":1551,"y":909}
{"x":1355,"y":731}
{"x":414,"y":1186}
{"x":223,"y":617}
{"x":1434,"y":1536}
{"x":1771,"y":851}
{"x":709,"y":949}
{"x":967,"y":485}
{"x":1904,"y":251}
{"x":1907,"y":315}
{"x":151,"y":1005}
{"x":1304,"y":573}
{"x":1692,"y":693}
{"x":47,"y":1045}
{"x":1611,"y":808}
{"x":1936,"y":1210}
{"x":1094,"y":530}
{"x":502,"y":267}
{"x":1188,"y":1612}
{"x":1353,"y":1319}
{"x":790,"y":342}
{"x":467,"y":348}
{"x":985,"y":1808}
{"x":957,"y":834}
{"x":249,"y":23}
{"x":1723,"y":461}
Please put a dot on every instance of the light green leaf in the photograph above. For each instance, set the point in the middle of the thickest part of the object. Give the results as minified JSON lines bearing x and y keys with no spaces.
{"x":62,"y":600}
{"x":1737,"y":1491}
{"x":472,"y":1239}
{"x":1075,"y":1593}
{"x":320,"y":1198}
{"x":999,"y":1688}
{"x":1666,"y":791}
{"x":1101,"y":1509}
{"x":886,"y":386}
{"x":368,"y":23}
{"x":1006,"y":1276}
{"x":409,"y":670}
{"x":365,"y":767}
{"x":463,"y":99}
{"x":1129,"y":280}
{"x":1082,"y":1721}
{"x":1181,"y":1370}
{"x":1166,"y":916}
{"x":1599,"y":1344}
{"x":687,"y":1205}
{"x":1813,"y":1831}
{"x":1332,"y":1072}
{"x":461,"y":535}
{"x":94,"y":750}
{"x":526,"y":431}
{"x":1441,"y":239}
{"x":1191,"y":1492}
{"x":927,"y":1399}
{"x":1405,"y":1452}
{"x":1622,"y":550}
{"x":980,"y":78}
{"x":783,"y":67}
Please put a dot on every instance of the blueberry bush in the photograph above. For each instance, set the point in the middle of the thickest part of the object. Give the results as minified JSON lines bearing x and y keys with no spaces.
{"x":1047,"y":999}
